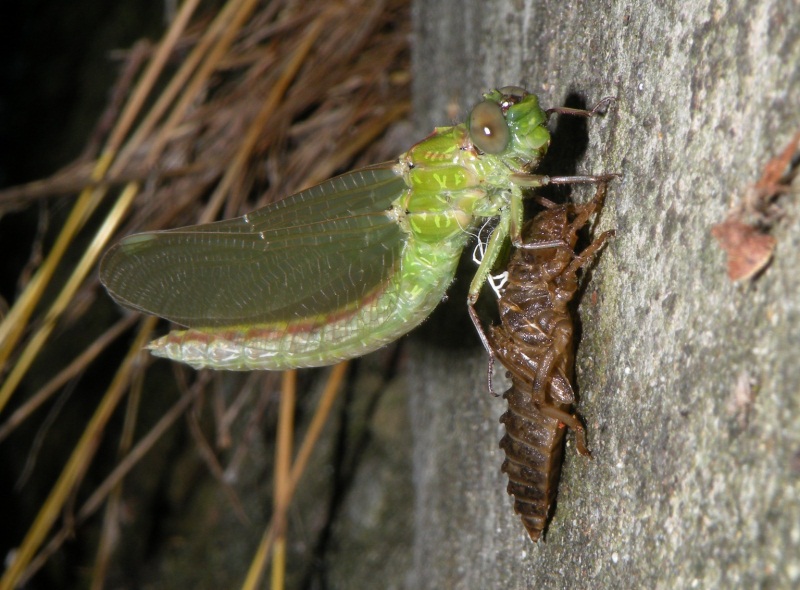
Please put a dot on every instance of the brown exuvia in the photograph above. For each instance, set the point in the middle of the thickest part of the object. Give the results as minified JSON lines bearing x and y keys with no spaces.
{"x":535,"y":343}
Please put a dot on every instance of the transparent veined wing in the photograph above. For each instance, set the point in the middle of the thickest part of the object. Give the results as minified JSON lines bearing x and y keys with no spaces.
{"x":313,"y":253}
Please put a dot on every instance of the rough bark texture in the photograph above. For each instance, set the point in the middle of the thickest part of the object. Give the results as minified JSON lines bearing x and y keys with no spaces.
{"x":693,"y":483}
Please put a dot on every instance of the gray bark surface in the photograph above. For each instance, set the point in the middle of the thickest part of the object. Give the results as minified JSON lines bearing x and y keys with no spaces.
{"x":692,"y":484}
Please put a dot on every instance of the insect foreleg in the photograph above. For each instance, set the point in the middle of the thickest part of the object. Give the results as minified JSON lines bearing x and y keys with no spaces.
{"x":516,"y":217}
{"x":584,"y":179}
{"x":595,"y":110}
{"x":539,"y":180}
{"x":493,"y":249}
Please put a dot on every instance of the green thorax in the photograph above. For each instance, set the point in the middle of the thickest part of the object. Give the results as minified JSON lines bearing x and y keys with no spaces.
{"x":454,"y":182}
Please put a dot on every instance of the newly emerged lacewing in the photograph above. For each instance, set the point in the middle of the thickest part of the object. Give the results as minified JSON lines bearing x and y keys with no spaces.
{"x":349,"y":265}
{"x":535,"y":343}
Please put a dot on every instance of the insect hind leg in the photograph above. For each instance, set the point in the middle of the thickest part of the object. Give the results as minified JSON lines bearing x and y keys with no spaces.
{"x":573,"y":422}
{"x":582,"y":217}
{"x":588,"y":253}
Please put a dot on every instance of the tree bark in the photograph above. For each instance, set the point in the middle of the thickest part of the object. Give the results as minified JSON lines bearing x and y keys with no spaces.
{"x":689,"y":383}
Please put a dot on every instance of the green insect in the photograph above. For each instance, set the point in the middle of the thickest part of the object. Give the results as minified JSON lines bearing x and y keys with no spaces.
{"x":349,"y":265}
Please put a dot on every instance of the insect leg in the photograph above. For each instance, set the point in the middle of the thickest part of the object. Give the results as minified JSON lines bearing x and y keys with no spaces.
{"x":582,"y":112}
{"x":573,"y":422}
{"x":484,"y":268}
{"x":476,"y":321}
{"x":584,"y":179}
{"x":507,"y":220}
{"x":499,"y":342}
{"x":539,"y":180}
{"x":516,"y":213}
{"x":493,"y":249}
{"x":545,"y":202}
{"x":584,"y":257}
{"x":561,"y":389}
{"x":583,"y":212}
{"x":560,"y":342}
{"x":534,"y":181}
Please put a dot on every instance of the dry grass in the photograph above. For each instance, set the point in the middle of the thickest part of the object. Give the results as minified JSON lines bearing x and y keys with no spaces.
{"x":227,"y":112}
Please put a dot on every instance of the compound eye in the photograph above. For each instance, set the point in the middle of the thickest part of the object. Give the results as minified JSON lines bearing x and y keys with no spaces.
{"x":514,"y":91}
{"x":488,"y":128}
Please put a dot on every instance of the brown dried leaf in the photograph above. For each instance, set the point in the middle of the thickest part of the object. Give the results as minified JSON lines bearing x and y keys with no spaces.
{"x":748,"y":245}
{"x":749,"y":250}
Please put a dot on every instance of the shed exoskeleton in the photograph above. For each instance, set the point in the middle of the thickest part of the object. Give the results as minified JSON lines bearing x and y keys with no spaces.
{"x":535,"y":344}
